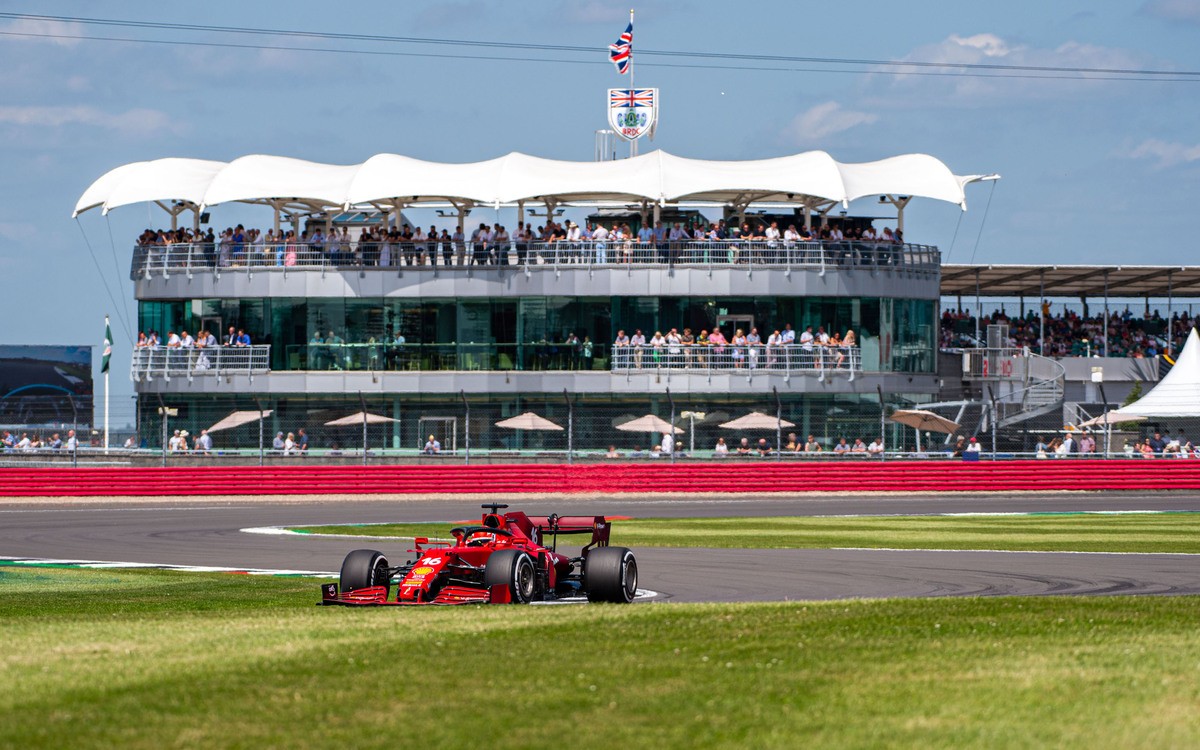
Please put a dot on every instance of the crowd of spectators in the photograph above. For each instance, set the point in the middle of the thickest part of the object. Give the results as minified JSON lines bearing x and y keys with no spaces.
{"x":27,"y":443}
{"x":1072,"y":334}
{"x":782,"y":348}
{"x":553,"y":242}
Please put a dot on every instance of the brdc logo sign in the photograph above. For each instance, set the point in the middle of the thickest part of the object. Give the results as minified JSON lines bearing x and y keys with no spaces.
{"x":632,"y":113}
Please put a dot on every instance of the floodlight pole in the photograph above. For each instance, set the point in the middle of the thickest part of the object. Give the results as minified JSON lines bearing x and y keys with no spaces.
{"x":671,"y":427}
{"x":261,"y":419}
{"x":466,"y":426}
{"x":570,"y":427}
{"x":1107,"y":422}
{"x":882,"y":423}
{"x":778,"y":425}
{"x":995,"y":421}
{"x":362,"y":402}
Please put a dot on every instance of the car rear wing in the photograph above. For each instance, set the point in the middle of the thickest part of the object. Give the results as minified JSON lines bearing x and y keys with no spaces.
{"x":597,"y":526}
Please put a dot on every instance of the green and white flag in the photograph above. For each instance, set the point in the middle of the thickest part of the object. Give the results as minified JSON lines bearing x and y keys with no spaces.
{"x":107,"y":346}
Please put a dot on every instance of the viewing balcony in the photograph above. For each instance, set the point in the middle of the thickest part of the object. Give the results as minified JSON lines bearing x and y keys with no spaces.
{"x":820,"y":257}
{"x":219,"y":361}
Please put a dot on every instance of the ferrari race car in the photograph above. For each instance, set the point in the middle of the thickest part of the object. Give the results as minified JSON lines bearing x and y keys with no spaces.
{"x":511,"y":558}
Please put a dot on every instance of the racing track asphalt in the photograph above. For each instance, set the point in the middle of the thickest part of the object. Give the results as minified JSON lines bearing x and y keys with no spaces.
{"x":179,"y":532}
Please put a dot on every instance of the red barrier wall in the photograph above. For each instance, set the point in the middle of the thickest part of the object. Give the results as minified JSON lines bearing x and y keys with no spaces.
{"x":731,"y":476}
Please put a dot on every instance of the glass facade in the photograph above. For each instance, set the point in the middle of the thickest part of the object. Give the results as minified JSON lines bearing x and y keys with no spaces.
{"x":525,"y":333}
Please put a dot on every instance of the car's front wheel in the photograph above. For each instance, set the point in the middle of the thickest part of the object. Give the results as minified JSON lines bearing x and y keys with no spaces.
{"x":364,"y":568}
{"x":512,"y":568}
{"x":610,"y":574}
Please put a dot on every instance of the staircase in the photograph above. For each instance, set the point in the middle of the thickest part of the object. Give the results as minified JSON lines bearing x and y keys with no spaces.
{"x":1024,"y":386}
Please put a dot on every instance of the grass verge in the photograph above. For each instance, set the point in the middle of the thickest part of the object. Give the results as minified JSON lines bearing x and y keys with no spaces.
{"x":152,"y":659}
{"x":1134,"y":532}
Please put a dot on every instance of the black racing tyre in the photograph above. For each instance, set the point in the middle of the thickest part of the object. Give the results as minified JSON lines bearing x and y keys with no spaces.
{"x":364,"y":568}
{"x":610,"y":574}
{"x":512,"y":568}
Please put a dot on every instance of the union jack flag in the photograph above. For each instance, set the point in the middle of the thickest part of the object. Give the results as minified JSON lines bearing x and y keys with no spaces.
{"x":621,"y":53}
{"x":631,"y":97}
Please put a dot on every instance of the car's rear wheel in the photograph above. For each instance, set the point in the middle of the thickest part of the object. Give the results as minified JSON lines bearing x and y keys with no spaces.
{"x":364,"y":568}
{"x":610,"y":574}
{"x":512,"y":568}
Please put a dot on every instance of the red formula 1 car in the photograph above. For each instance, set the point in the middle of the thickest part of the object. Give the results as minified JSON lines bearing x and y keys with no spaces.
{"x":510,"y":558}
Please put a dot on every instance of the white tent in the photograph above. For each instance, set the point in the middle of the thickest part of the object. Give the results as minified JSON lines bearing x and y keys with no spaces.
{"x":1178,"y":394}
{"x":394,"y":180}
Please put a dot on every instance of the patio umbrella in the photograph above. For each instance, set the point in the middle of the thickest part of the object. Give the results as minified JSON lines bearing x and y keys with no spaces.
{"x":924,"y":420}
{"x":649,"y":423}
{"x":239,"y":418}
{"x":528,"y":421}
{"x":756,"y":420}
{"x":358,"y":418}
{"x":1111,"y":417}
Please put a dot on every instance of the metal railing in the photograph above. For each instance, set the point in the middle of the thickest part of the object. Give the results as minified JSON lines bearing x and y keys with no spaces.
{"x":745,"y":358}
{"x":545,"y":355}
{"x":191,"y":258}
{"x":221,"y":360}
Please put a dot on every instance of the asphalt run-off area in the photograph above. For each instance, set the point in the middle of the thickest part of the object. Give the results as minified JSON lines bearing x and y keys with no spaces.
{"x":212,"y":535}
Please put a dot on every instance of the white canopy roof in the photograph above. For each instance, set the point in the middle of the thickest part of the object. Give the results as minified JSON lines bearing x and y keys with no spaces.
{"x":393,"y":179}
{"x":1178,"y":394}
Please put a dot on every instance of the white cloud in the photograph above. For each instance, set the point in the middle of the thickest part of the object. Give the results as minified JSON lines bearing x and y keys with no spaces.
{"x":823,"y":120}
{"x":51,"y":32}
{"x":130,"y":122}
{"x":1174,"y":10}
{"x":1166,"y":153}
{"x":975,"y":86}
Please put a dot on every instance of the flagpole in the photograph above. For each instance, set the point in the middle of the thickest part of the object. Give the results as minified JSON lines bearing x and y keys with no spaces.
{"x":633,"y":150}
{"x":106,"y":395}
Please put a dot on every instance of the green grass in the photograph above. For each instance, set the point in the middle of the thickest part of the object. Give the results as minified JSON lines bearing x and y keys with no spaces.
{"x":1166,"y":532}
{"x":153,"y":659}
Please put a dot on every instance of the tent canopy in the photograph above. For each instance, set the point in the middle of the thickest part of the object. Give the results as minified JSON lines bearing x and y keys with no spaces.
{"x":756,"y":420}
{"x":648,"y":423}
{"x":925,"y":420}
{"x":357,"y":419}
{"x":811,"y":178}
{"x":239,"y":418}
{"x":529,"y":421}
{"x":1178,"y":394}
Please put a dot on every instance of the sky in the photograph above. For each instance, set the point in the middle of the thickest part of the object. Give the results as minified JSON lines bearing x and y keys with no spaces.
{"x":1093,"y":171}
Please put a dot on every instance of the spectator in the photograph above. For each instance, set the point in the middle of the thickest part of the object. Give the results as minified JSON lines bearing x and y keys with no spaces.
{"x":973,"y":446}
{"x":744,"y":448}
{"x":668,"y":443}
{"x":72,"y":441}
{"x":720,"y":449}
{"x":302,"y":440}
{"x":289,"y":444}
{"x":56,"y":443}
{"x":204,"y":443}
{"x":876,"y":447}
{"x":1158,"y":445}
{"x":812,"y":445}
{"x":612,"y":452}
{"x":764,"y":448}
{"x":277,"y":444}
{"x":842,"y":448}
{"x":859,"y":446}
{"x":432,"y":446}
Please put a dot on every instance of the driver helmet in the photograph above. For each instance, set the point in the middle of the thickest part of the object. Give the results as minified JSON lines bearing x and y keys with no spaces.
{"x":479,"y":538}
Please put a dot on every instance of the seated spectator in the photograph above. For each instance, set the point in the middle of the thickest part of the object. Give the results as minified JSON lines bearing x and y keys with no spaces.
{"x":432,"y":446}
{"x":721,"y":449}
{"x":612,"y":452}
{"x":764,"y":448}
{"x":744,"y":448}
{"x":793,"y":444}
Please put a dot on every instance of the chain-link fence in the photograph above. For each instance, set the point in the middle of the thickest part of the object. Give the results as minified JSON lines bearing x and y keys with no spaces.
{"x":448,"y":428}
